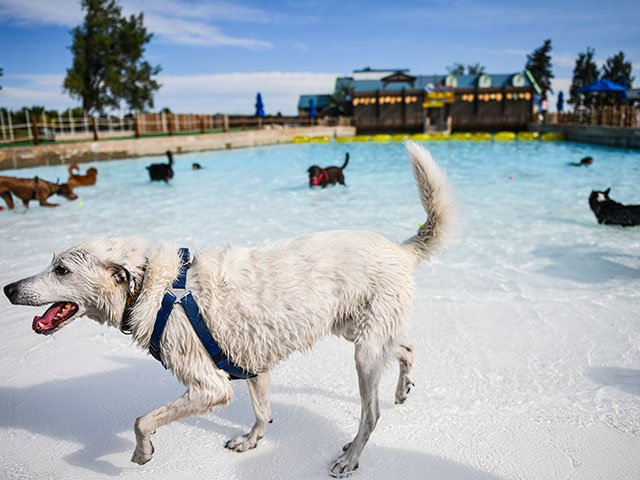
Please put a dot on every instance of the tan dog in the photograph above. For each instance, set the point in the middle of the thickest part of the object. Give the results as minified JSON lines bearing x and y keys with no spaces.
{"x":77,"y":180}
{"x":27,"y":189}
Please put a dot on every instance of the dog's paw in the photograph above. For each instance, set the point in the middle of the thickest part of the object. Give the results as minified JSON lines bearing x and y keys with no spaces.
{"x":142,"y":455}
{"x":343,"y":467}
{"x":403,"y":389}
{"x":242,"y":443}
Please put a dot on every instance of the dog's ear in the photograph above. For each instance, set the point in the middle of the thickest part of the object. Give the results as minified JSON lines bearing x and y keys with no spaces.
{"x":122,"y":274}
{"x":606,"y":192}
{"x":309,"y":169}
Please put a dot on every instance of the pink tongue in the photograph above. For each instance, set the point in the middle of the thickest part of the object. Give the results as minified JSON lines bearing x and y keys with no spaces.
{"x":46,"y":321}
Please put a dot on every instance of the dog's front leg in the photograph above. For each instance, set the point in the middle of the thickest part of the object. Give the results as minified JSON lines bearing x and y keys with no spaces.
{"x":193,"y":402}
{"x":259,"y":391}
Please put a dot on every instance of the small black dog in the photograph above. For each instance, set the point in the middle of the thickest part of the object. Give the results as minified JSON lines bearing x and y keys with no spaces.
{"x":324,"y":176}
{"x":610,"y":212}
{"x":585,"y":162}
{"x":162,"y":171}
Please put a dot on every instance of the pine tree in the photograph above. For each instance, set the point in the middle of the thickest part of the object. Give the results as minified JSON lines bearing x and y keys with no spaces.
{"x":107,"y":60}
{"x":585,"y":72}
{"x":617,"y":67}
{"x":539,"y":65}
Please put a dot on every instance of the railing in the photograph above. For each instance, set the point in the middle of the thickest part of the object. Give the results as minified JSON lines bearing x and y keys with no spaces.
{"x":61,"y":129}
{"x":626,"y":116}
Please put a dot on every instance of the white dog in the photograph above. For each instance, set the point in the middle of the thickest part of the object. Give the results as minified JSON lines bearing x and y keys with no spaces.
{"x":260,"y":304}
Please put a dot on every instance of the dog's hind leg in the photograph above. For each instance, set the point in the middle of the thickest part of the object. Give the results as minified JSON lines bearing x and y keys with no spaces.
{"x":193,"y":402}
{"x":404,"y":353}
{"x":259,"y":391}
{"x":369,"y":358}
{"x":6,"y":196}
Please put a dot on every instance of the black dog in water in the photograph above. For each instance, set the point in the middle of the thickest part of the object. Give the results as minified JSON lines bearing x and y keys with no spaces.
{"x":324,"y":176}
{"x":162,"y":171}
{"x":585,"y":162}
{"x":610,"y":212}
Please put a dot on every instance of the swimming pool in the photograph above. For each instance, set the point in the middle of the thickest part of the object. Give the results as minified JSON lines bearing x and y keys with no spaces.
{"x":526,"y":327}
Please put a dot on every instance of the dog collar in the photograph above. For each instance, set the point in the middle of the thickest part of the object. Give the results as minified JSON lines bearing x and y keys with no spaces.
{"x":132,"y":298}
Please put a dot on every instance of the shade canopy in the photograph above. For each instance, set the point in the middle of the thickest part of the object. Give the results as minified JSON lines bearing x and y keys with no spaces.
{"x":603,"y":85}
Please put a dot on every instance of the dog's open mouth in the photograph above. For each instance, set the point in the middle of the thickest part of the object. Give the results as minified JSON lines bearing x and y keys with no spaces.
{"x":55,"y":316}
{"x":315,"y":181}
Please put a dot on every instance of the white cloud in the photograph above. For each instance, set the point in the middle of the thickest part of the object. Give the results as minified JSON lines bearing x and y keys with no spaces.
{"x":212,"y":93}
{"x":171,"y":22}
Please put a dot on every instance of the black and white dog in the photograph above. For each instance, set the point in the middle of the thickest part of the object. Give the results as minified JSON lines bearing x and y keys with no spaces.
{"x":162,"y":171}
{"x":610,"y":212}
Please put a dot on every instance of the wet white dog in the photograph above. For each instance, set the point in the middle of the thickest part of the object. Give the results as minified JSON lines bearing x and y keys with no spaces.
{"x":260,"y":305}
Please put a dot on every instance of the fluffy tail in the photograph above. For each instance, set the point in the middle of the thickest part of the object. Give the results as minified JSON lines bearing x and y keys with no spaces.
{"x":437,"y":200}
{"x":72,"y":167}
{"x":170,"y":155}
{"x":346,"y":160}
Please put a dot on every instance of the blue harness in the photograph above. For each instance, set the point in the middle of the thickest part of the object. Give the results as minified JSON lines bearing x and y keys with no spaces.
{"x":179,"y":293}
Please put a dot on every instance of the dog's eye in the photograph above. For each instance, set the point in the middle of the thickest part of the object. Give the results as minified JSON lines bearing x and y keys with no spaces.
{"x":61,"y":270}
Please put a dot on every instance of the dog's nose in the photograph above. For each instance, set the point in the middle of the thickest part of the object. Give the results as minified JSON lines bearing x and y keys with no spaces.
{"x":10,"y":291}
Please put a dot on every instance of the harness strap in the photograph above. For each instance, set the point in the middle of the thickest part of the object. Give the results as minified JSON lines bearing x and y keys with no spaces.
{"x":193,"y":314}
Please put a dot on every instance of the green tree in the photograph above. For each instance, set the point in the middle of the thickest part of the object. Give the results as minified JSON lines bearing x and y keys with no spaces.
{"x":617,"y":67}
{"x":459,"y":69}
{"x":135,"y":85}
{"x":340,"y":102}
{"x":107,"y":60}
{"x":539,"y":64}
{"x":585,"y":72}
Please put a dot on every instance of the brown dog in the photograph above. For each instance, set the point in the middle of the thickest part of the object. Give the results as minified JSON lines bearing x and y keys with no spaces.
{"x":27,"y":189}
{"x":321,"y":177}
{"x":77,"y":180}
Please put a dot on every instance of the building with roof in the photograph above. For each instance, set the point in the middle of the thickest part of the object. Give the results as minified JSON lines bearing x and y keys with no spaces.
{"x":393,"y":99}
{"x":320,"y":103}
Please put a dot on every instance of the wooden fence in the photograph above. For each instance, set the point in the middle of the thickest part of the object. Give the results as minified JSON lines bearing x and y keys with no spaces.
{"x":625,"y":116}
{"x":63,"y":129}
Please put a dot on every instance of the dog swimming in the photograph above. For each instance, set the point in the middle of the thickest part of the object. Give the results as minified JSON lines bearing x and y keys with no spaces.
{"x":259,"y":304}
{"x":610,"y":212}
{"x":162,"y":171}
{"x":327,"y":176}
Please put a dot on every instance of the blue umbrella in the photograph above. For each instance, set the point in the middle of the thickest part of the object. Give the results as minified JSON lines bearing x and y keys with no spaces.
{"x":259,"y":106}
{"x":603,"y":85}
{"x":312,"y":108}
{"x":560,"y":104}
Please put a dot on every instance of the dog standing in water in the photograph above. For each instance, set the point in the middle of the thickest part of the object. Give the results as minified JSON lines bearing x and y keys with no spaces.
{"x":260,"y":305}
{"x":610,"y":212}
{"x":27,"y":189}
{"x":162,"y":171}
{"x":77,"y":180}
{"x":325,"y":176}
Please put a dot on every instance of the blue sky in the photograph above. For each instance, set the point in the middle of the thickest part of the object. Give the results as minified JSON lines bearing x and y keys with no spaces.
{"x":215,"y":55}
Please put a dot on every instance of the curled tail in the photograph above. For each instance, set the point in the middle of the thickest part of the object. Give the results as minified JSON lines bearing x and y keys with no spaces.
{"x":170,"y":155}
{"x":346,"y":160}
{"x":72,"y":167}
{"x":437,"y":200}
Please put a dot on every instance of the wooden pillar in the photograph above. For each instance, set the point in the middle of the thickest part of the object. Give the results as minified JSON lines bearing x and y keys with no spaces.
{"x":225,"y":123}
{"x":404,"y":109}
{"x":259,"y":123}
{"x":34,"y":127}
{"x":136,"y":123}
{"x":201,"y":124}
{"x":244,"y":124}
{"x":170,"y":124}
{"x":94,"y":123}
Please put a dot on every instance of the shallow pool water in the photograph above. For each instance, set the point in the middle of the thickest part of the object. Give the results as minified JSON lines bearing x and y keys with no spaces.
{"x":526,"y":329}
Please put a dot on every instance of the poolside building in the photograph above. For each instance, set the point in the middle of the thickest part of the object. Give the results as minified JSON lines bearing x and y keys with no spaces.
{"x":395,"y":100}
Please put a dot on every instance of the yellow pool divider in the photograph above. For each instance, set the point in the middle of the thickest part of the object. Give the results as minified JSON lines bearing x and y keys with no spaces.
{"x":460,"y":136}
{"x":552,"y":137}
{"x":420,"y":137}
{"x":504,"y":136}
{"x":300,"y":139}
{"x":362,"y":138}
{"x":345,"y":139}
{"x":481,"y":136}
{"x":381,"y":138}
{"x":322,"y":139}
{"x":527,"y":136}
{"x":399,"y":137}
